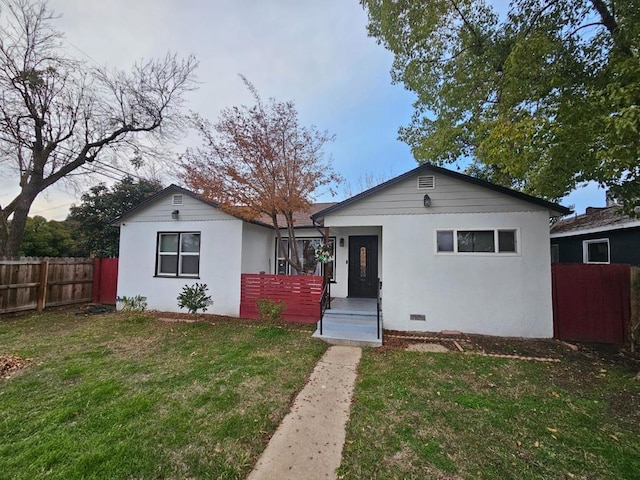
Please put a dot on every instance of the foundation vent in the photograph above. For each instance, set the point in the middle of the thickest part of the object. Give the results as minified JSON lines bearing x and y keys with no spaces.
{"x":418,"y":317}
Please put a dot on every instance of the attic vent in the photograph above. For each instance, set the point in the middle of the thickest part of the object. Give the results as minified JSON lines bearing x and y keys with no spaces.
{"x":418,"y":317}
{"x":177,"y":199}
{"x":426,"y":182}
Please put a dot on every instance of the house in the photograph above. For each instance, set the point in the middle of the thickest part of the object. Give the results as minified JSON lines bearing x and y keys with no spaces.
{"x":451,"y":252}
{"x":600,"y":235}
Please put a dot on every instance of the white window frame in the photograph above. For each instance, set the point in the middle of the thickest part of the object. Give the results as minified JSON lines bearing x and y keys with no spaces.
{"x":585,"y":250}
{"x":496,"y":244}
{"x":288,"y":266}
{"x":180,"y":254}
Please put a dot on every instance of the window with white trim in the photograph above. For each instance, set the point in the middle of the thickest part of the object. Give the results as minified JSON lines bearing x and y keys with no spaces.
{"x":178,"y":254}
{"x":307,"y":254}
{"x":499,"y":241}
{"x":596,"y":251}
{"x":177,"y":199}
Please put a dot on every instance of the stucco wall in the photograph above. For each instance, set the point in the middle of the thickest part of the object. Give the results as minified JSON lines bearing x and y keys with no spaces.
{"x":489,"y":294}
{"x":256,"y":248}
{"x":220,"y":263}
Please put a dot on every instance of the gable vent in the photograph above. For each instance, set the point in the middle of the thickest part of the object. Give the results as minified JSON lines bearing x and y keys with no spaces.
{"x":177,"y":199}
{"x":426,"y":182}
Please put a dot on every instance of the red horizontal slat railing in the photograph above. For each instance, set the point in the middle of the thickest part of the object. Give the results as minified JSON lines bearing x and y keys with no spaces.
{"x":299,"y":293}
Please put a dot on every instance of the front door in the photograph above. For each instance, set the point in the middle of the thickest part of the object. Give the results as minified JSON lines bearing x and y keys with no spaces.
{"x":363,"y":266}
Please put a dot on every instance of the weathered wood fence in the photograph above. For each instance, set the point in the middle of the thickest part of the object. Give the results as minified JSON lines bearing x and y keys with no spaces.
{"x":36,"y":283}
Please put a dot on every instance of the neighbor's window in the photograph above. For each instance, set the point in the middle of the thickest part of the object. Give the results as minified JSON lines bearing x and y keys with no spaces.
{"x":178,"y":254}
{"x":596,"y":251}
{"x":555,"y":253}
{"x":477,"y":241}
{"x":307,"y":254}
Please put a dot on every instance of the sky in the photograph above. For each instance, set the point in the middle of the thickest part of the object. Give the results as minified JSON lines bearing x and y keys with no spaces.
{"x":315,"y":53}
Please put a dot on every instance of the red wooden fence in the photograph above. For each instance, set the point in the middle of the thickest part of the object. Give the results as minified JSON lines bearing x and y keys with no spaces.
{"x":105,"y":280}
{"x":299,"y":293}
{"x":591,"y":303}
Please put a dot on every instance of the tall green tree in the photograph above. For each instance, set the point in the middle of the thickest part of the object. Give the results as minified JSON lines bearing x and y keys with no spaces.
{"x":95,"y":235}
{"x":48,"y":238}
{"x":542,"y":98}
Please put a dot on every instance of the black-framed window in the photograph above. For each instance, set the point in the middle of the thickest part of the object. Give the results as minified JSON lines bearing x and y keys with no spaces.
{"x":307,"y":254}
{"x":477,"y":241}
{"x":178,"y":254}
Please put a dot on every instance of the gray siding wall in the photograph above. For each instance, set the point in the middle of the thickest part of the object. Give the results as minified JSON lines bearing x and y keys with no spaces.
{"x":190,"y":210}
{"x":449,"y":196}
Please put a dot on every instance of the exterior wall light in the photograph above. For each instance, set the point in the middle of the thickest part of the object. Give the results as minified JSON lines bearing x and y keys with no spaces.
{"x":342,"y":242}
{"x":175,"y":214}
{"x":427,"y":200}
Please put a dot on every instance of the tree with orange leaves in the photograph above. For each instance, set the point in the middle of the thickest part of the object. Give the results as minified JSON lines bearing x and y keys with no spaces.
{"x":258,"y":160}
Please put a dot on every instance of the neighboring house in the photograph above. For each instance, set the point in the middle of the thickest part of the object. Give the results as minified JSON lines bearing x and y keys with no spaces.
{"x":452,"y":252}
{"x":601,"y":235}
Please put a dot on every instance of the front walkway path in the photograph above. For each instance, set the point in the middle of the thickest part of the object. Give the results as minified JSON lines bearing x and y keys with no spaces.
{"x":308,"y":443}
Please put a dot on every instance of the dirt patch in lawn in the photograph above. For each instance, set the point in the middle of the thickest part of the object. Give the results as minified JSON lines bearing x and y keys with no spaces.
{"x":10,"y":364}
{"x":594,"y":357}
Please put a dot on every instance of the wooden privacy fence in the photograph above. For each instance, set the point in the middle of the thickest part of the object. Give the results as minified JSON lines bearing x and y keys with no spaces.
{"x":36,"y":283}
{"x":299,"y":293}
{"x":592,"y":303}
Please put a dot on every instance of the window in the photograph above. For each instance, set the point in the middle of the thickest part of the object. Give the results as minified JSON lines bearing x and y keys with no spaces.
{"x":178,"y":254}
{"x":445,"y":241}
{"x":177,"y":199}
{"x":477,"y":241}
{"x":307,"y":254}
{"x":596,"y":251}
{"x":555,"y":253}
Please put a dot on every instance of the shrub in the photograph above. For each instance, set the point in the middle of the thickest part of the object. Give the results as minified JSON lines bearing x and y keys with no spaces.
{"x":194,"y":298}
{"x":270,"y":309}
{"x":133,"y":304}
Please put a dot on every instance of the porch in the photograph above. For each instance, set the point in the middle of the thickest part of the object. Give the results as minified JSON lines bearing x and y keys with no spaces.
{"x":351,"y":321}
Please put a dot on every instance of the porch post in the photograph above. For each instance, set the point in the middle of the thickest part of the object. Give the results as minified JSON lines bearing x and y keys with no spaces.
{"x":326,"y":280}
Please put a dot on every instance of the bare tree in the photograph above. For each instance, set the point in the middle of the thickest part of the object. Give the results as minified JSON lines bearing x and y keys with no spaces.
{"x":259,"y":160}
{"x":58,"y":115}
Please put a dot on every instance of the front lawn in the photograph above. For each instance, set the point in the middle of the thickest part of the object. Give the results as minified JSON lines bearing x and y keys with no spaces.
{"x":117,"y":396}
{"x":423,"y":415}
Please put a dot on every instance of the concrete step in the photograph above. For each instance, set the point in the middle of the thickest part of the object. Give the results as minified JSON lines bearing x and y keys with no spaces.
{"x":364,"y":313}
{"x":349,"y":337}
{"x":350,"y":320}
{"x":354,"y":330}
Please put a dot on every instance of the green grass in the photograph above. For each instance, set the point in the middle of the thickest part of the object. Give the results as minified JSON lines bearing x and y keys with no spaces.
{"x":116,"y":396}
{"x":418,"y":416}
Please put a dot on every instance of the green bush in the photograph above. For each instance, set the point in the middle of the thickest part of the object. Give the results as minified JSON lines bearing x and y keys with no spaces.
{"x":194,"y":297}
{"x":135,"y":304}
{"x":270,"y":309}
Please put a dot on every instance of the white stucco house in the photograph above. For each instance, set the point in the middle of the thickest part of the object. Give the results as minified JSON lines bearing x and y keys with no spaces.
{"x":452,"y":252}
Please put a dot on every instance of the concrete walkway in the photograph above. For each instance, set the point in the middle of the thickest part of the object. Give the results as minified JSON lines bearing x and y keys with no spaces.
{"x":308,"y":443}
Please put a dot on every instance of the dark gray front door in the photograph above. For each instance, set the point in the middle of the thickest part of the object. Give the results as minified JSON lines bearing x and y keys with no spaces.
{"x":363,"y":266}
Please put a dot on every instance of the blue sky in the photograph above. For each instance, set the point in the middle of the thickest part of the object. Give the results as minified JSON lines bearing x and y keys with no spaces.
{"x":315,"y":53}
